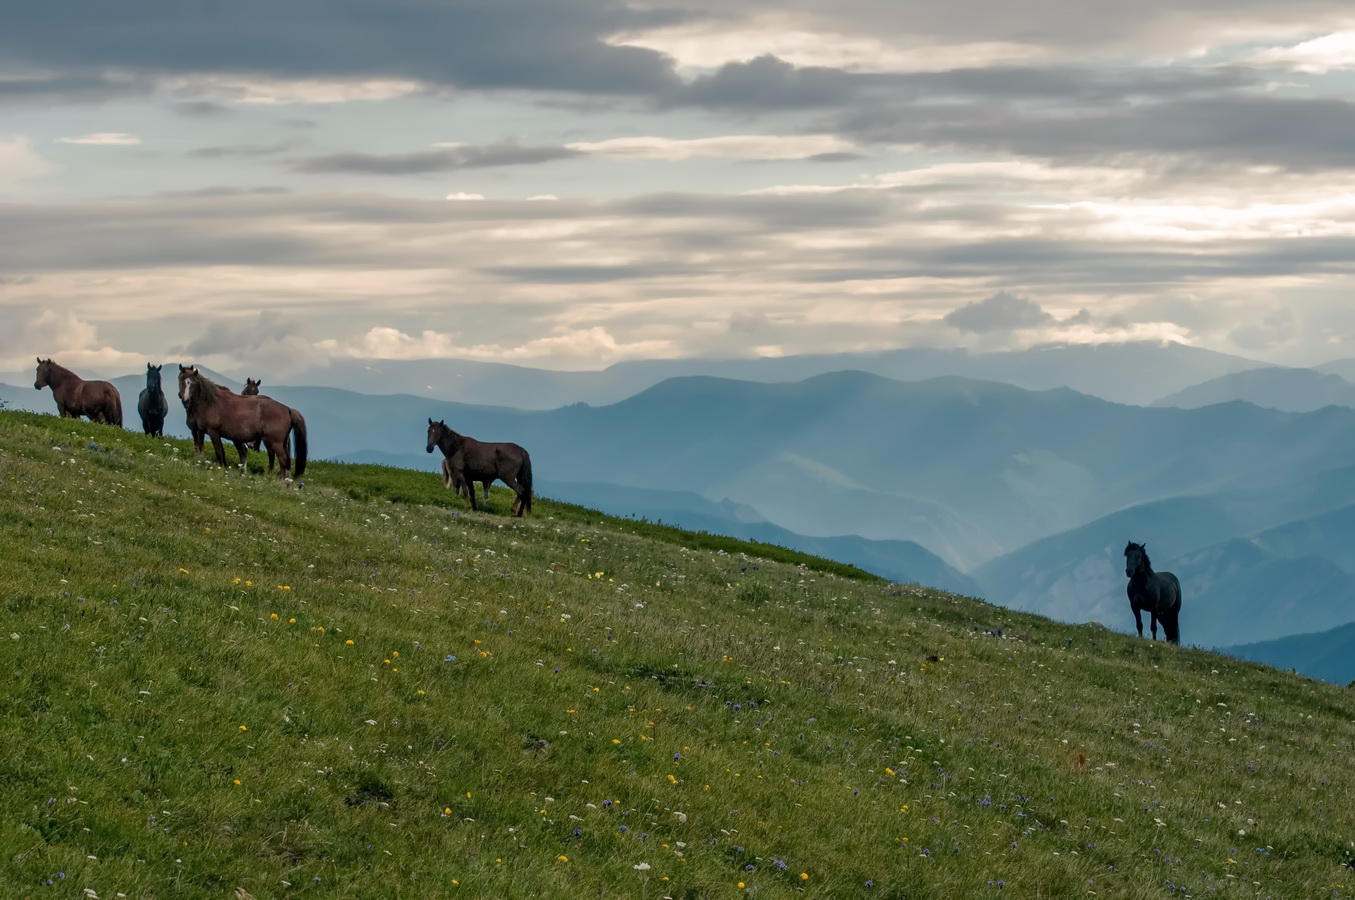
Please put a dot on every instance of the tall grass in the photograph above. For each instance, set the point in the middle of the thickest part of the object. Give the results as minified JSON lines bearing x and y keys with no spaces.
{"x":216,"y":685}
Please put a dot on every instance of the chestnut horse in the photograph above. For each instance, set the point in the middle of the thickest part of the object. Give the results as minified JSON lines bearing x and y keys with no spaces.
{"x":152,"y":405}
{"x":252,"y":390}
{"x":76,"y":397}
{"x":468,"y":461}
{"x":222,"y":413}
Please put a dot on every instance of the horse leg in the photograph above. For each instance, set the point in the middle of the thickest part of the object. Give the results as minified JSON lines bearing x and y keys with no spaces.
{"x":243,"y":449}
{"x":519,"y":493}
{"x":1138,"y":619}
{"x":1152,"y":616}
{"x":284,"y":458}
{"x":486,"y":486}
{"x":219,"y":449}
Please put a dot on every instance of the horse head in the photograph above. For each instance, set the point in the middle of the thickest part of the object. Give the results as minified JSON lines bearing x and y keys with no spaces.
{"x":435,"y":430}
{"x":1135,"y":558}
{"x":251,"y":387}
{"x":44,"y":367}
{"x":153,"y":377}
{"x":189,"y":384}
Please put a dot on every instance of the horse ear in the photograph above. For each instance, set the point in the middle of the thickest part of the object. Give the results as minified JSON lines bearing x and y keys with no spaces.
{"x":430,"y":420}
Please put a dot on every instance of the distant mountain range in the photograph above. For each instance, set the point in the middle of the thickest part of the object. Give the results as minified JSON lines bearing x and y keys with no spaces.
{"x":1291,"y":390}
{"x":1132,"y":372}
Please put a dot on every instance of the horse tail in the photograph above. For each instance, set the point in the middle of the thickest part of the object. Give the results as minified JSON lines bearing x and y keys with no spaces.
{"x":1172,"y":624}
{"x":525,"y":479}
{"x":115,"y":406}
{"x":299,"y":427}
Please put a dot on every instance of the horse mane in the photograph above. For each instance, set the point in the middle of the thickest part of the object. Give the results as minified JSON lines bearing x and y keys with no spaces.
{"x":56,"y":368}
{"x":209,"y":388}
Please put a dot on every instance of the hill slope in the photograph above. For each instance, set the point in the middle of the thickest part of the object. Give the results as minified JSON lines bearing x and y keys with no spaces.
{"x":214,"y":683}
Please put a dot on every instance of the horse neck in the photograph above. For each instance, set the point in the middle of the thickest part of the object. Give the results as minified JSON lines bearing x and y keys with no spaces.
{"x":1143,"y":572}
{"x":59,"y":375}
{"x":450,"y":442}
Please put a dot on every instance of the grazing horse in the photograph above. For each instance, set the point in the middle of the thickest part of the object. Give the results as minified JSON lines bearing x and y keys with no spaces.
{"x":151,"y":405}
{"x":468,"y":461}
{"x":223,"y":413}
{"x":76,"y":397}
{"x":1157,"y":592}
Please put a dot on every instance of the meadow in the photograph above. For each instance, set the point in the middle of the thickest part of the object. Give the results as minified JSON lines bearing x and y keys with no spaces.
{"x":215,"y":685}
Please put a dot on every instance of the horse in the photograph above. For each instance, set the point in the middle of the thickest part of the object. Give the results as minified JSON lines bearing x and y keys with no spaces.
{"x":76,"y":397}
{"x":151,"y":405}
{"x":1157,"y":592}
{"x":223,"y":413}
{"x":468,"y":461}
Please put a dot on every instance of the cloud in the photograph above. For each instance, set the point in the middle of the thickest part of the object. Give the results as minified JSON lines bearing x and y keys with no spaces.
{"x":464,"y":195}
{"x":200,"y":109}
{"x":270,"y":339}
{"x":546,"y":45}
{"x":593,"y":345}
{"x":60,"y":334}
{"x":1266,"y":333}
{"x":431,"y":161}
{"x":1001,"y":312}
{"x":1319,"y":55}
{"x":19,"y":161}
{"x":245,"y":151}
{"x":103,"y":139}
{"x":734,"y":146}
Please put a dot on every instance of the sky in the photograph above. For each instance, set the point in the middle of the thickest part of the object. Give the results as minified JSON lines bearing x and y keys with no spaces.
{"x":571,"y":183}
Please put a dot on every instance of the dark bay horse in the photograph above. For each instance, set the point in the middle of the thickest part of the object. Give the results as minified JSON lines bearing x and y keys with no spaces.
{"x":76,"y":397}
{"x":1157,"y":592}
{"x":221,"y":413}
{"x":151,"y":405}
{"x":468,"y":461}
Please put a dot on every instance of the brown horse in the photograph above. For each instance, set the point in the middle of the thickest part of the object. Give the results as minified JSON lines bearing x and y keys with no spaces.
{"x":252,"y":390}
{"x":221,"y":413}
{"x":468,"y":461}
{"x":151,"y":405}
{"x":76,"y":397}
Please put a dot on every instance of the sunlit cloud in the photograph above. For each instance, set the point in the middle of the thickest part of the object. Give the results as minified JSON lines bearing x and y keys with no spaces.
{"x":274,"y":91}
{"x":103,"y":138}
{"x":590,"y":346}
{"x":737,"y":146}
{"x":1330,"y":52}
{"x":19,"y":161}
{"x":706,"y":45}
{"x":465,"y":195}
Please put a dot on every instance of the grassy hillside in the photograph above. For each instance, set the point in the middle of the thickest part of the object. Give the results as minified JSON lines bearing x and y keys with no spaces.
{"x":217,"y":686}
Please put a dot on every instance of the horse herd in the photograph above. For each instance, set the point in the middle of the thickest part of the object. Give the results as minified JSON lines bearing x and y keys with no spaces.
{"x":253,"y":421}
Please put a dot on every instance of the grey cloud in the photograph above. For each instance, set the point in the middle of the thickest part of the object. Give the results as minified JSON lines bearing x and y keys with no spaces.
{"x":1001,"y":312}
{"x":71,"y":87}
{"x":769,"y":83}
{"x":200,"y":109}
{"x":1296,"y":133}
{"x":547,"y":45}
{"x":272,"y":340}
{"x":1266,"y":333}
{"x":242,"y":150}
{"x":430,"y":161}
{"x":691,"y":239}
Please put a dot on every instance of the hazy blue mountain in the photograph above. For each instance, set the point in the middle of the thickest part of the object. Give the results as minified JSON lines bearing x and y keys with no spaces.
{"x":1343,"y":367}
{"x":1134,"y":372}
{"x":1327,"y":655}
{"x":1292,"y":390}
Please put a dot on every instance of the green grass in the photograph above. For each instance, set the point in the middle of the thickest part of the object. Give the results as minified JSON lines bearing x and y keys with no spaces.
{"x":213,"y":683}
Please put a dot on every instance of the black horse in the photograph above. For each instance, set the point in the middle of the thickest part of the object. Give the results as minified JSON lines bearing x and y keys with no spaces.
{"x":468,"y":461}
{"x":1157,"y":592}
{"x":152,"y":405}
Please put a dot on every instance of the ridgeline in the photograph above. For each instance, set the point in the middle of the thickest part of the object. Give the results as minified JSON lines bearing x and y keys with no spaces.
{"x":218,"y":686}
